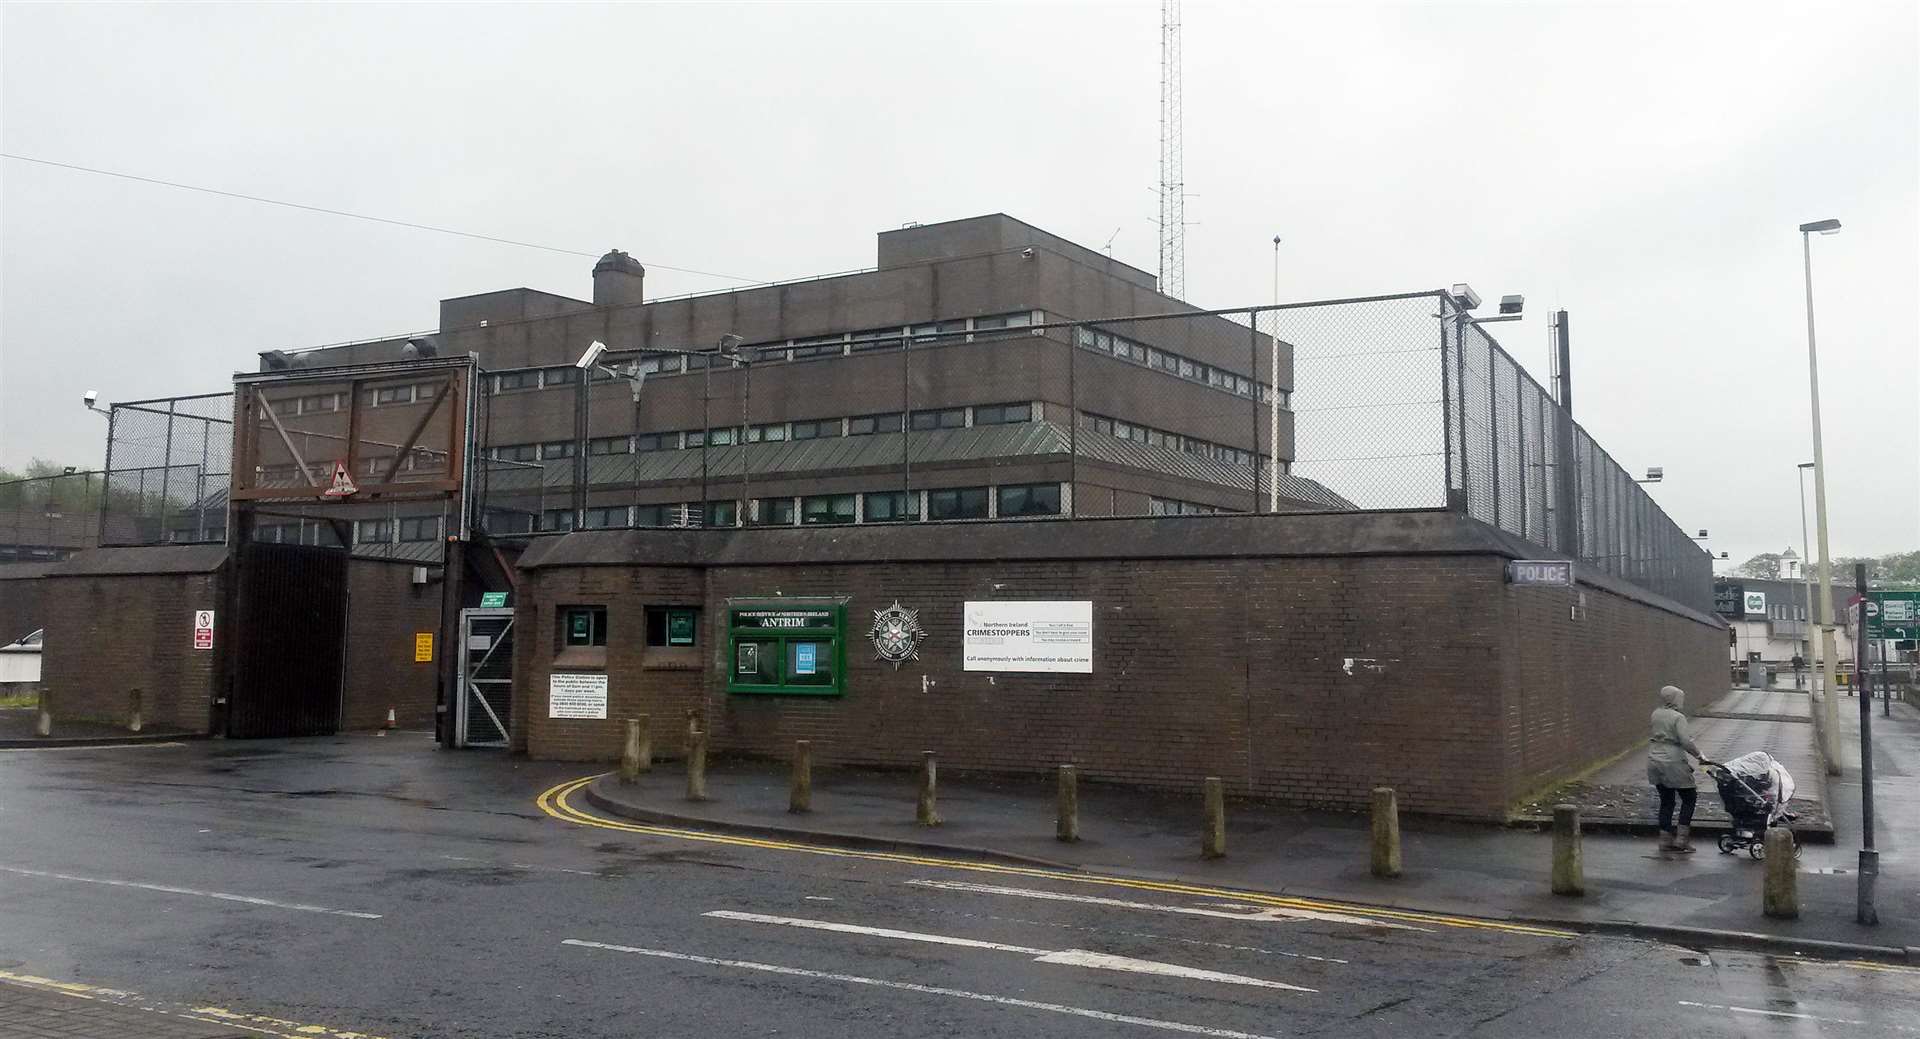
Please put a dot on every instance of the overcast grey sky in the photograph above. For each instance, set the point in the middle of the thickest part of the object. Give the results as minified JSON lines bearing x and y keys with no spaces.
{"x":1643,"y":166}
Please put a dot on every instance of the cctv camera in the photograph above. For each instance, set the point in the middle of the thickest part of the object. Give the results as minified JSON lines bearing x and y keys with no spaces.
{"x":1464,"y":297}
{"x":90,"y":398}
{"x":592,"y":356}
{"x":1512,"y":304}
{"x":1027,"y":253}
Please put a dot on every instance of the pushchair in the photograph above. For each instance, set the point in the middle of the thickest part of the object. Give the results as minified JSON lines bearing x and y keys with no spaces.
{"x":1755,"y":790}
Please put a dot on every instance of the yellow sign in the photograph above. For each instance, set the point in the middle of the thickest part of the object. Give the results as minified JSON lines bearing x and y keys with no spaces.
{"x":423,"y":647}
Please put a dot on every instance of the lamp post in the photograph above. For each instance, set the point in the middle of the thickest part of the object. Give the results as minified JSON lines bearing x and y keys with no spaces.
{"x":1828,"y":653}
{"x":1273,"y":395}
{"x":1806,"y":570}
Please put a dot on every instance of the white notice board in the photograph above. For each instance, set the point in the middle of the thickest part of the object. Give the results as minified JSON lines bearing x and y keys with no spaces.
{"x":573,"y":694}
{"x":1028,"y":636}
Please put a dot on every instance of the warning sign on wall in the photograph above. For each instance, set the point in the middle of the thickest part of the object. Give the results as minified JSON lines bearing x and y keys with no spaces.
{"x":423,"y":647}
{"x":203,"y":629}
{"x":576,"y":695}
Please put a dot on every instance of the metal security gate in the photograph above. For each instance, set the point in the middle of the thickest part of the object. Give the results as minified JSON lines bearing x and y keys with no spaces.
{"x":485,"y":707}
{"x":292,"y":611}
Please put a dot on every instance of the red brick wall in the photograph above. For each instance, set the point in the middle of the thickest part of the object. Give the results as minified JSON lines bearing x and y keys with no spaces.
{"x":384,"y":611}
{"x":108,"y":635}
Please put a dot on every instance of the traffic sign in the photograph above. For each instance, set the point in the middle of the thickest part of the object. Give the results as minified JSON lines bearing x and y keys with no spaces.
{"x":1893,"y":615}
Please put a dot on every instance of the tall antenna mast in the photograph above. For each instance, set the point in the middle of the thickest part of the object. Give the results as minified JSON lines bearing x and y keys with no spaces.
{"x":1173,"y":207}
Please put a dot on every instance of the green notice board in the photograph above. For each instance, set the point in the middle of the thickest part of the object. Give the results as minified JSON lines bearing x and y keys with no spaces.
{"x":787,"y":646}
{"x":1893,"y":615}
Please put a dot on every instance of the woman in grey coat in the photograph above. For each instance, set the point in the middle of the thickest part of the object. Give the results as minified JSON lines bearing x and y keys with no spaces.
{"x":1669,"y":770}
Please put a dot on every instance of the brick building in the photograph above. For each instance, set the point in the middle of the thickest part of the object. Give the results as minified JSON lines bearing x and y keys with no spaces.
{"x":930,"y":386}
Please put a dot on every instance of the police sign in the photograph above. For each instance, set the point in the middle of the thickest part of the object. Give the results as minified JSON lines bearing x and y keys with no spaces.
{"x":1540,"y":572}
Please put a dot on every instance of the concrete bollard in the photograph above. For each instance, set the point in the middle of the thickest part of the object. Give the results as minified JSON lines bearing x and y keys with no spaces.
{"x":927,"y":813}
{"x":696,"y":766}
{"x":1780,"y":889}
{"x":134,"y":721}
{"x":1213,"y":829}
{"x":800,"y":787}
{"x":1569,"y":871}
{"x":44,"y":727}
{"x":1386,"y":832}
{"x":1067,"y":806}
{"x":638,"y":755}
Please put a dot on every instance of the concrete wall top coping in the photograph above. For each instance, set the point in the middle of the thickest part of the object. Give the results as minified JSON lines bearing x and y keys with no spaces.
{"x":24,"y":571}
{"x":153,"y":559}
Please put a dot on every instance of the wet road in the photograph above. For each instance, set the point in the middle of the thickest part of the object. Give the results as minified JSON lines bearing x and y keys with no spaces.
{"x":377,"y":886}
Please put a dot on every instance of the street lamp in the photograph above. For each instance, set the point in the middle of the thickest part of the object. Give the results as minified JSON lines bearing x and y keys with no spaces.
{"x":1273,"y":397}
{"x":1806,"y":571}
{"x":1828,"y":653}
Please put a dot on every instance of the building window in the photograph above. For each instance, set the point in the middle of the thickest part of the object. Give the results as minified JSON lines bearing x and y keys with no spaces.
{"x":316,"y":404}
{"x":1029,"y":499}
{"x":947,"y":418}
{"x":566,"y":376}
{"x":556,"y":449}
{"x":865,"y":424}
{"x":826,"y":508}
{"x":769,"y":432}
{"x":503,"y":521}
{"x":517,"y":452}
{"x":601,"y":517}
{"x":556,"y":519}
{"x":877,"y":339}
{"x":1002,"y":414}
{"x":393,"y":395}
{"x":507,"y":381}
{"x":957,"y":503}
{"x":607,"y":446}
{"x":656,"y":442}
{"x":891,"y":506}
{"x":420,"y":528}
{"x":669,"y":626}
{"x":655,"y":515}
{"x":583,"y":625}
{"x":786,"y":646}
{"x":1018,"y":320}
{"x":772,"y":512}
{"x":722,"y":437}
{"x":819,"y":346}
{"x":722,"y":513}
{"x":939,"y":332}
{"x":816,"y":429}
{"x":372,"y":532}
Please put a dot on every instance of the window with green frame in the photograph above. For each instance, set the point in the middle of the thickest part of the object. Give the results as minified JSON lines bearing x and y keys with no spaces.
{"x":794,"y":647}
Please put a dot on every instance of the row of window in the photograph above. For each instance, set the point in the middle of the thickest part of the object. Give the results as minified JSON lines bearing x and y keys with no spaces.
{"x":365,"y":532}
{"x":385,"y":396}
{"x":666,"y":626}
{"x":775,"y":432}
{"x":1176,"y":507}
{"x":1177,"y":366}
{"x":1007,"y":501}
{"x":1172,"y":441}
{"x":790,"y":349}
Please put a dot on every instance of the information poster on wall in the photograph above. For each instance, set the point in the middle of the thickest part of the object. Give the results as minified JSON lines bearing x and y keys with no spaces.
{"x":1038,"y":636}
{"x":572,"y":694}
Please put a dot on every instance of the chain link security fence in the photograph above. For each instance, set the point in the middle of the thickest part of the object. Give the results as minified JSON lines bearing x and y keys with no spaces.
{"x":1381,"y":403}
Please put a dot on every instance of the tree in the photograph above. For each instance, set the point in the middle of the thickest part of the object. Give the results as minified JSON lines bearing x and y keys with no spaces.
{"x":1765,"y":565}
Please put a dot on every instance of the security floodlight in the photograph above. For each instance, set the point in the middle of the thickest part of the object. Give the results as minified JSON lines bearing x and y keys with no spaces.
{"x":592,"y":356}
{"x":730,"y":343}
{"x":1702,"y":535}
{"x":1805,"y":465}
{"x":70,"y":470}
{"x":1821,"y":227}
{"x":1464,"y":297}
{"x":1655,"y":474}
{"x":91,"y":399}
{"x":1512,"y":304}
{"x":1723,"y":555}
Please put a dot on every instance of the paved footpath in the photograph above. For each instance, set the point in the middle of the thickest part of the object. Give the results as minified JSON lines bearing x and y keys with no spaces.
{"x":39,"y":1008}
{"x":1450,"y":868}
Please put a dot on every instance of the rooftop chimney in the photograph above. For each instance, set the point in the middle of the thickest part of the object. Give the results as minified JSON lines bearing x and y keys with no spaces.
{"x":617,"y":280}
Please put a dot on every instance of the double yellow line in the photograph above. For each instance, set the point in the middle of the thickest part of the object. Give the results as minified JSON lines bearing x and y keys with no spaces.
{"x":557,"y":803}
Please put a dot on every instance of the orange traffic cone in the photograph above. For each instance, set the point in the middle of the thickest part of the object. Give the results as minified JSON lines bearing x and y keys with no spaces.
{"x":390,"y":721}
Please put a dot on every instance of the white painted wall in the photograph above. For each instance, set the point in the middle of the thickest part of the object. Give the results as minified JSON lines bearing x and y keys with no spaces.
{"x":19,"y":665}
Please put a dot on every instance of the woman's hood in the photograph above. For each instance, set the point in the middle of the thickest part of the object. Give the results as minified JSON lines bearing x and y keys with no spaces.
{"x":1672,"y":696}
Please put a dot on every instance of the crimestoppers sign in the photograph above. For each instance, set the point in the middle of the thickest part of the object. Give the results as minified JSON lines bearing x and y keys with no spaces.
{"x":1028,"y":636}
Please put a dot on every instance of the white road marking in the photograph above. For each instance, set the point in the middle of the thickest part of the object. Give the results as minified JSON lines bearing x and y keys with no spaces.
{"x":929,"y":990}
{"x":1137,"y":934}
{"x":525,"y":866}
{"x":1795,"y":1016}
{"x":97,"y":746}
{"x":1068,"y":957}
{"x":1219,"y":910}
{"x":818,"y":898}
{"x":167,"y":889}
